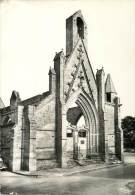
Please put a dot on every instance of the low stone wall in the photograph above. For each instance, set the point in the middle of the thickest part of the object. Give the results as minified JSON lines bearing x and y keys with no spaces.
{"x":46,"y":164}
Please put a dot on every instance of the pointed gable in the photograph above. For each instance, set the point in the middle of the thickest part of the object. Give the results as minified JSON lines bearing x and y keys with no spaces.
{"x":78,"y":62}
{"x":109,"y":86}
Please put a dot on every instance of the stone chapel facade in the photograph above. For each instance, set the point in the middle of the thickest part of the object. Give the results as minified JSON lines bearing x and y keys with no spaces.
{"x":77,"y":119}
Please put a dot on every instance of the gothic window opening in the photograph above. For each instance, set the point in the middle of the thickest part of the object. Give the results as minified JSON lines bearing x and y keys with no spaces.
{"x":108,"y":97}
{"x":80,"y":27}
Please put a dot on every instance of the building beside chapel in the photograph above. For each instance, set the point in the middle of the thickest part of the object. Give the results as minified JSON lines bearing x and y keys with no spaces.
{"x":77,"y":119}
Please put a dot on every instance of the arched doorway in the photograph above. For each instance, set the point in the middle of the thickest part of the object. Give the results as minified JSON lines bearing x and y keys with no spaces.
{"x":87,"y":105}
{"x":82,"y":127}
{"x":77,"y":135}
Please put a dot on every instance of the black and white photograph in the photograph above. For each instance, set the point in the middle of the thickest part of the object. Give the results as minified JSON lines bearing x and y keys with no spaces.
{"x":67,"y":97}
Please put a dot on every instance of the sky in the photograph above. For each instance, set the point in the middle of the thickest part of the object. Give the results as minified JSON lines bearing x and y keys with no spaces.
{"x":32,"y":31}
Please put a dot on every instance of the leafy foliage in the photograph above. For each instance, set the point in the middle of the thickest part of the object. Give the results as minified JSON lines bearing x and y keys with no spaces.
{"x":128,"y":126}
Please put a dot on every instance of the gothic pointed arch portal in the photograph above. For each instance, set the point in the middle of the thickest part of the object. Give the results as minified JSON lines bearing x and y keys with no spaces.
{"x":82,"y":128}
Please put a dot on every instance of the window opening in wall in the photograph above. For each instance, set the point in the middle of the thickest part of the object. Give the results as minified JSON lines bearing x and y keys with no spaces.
{"x":108,"y":97}
{"x":82,"y":133}
{"x":82,"y":142}
{"x":69,"y":133}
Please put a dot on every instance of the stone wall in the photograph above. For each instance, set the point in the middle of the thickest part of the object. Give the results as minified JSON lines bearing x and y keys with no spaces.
{"x":101,"y":108}
{"x":25,"y":140}
{"x":7,"y":122}
{"x":118,"y":131}
{"x":110,"y":126}
{"x":17,"y":140}
{"x":7,"y":135}
{"x":0,"y":133}
{"x":45,"y":133}
{"x":110,"y":131}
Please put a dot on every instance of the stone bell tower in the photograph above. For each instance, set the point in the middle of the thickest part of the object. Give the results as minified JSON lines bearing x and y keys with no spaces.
{"x":75,"y":28}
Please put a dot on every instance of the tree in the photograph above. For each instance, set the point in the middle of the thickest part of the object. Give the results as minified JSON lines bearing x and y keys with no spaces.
{"x":128,"y":126}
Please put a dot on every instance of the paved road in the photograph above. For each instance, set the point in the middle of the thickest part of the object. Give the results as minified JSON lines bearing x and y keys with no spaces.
{"x":111,"y":181}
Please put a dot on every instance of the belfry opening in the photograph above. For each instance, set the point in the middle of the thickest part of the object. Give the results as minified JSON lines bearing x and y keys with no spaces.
{"x":80,"y":27}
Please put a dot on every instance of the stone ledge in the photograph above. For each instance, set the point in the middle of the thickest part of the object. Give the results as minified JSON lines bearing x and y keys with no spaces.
{"x":66,"y":172}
